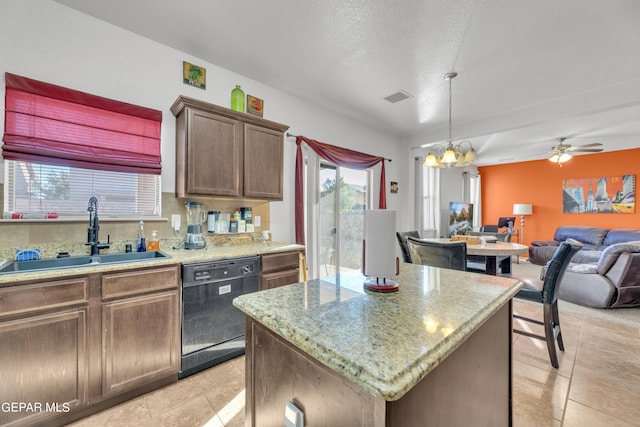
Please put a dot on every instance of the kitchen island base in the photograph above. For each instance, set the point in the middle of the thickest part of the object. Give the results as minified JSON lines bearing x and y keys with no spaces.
{"x":472,"y":386}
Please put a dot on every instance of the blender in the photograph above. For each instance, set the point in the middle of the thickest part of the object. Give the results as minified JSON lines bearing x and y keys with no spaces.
{"x":195,"y":218}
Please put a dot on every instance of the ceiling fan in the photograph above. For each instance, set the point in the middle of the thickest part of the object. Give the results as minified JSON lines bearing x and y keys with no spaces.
{"x":562,"y":152}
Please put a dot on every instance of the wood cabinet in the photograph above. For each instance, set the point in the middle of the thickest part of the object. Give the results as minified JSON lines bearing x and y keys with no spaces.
{"x":225,"y":153}
{"x":44,"y":349}
{"x":208,"y":155}
{"x":141,"y":325}
{"x":73,"y":346}
{"x":279,"y":269}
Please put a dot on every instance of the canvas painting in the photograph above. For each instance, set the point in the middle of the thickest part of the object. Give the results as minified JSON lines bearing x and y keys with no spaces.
{"x":607,"y":194}
{"x":460,"y":218}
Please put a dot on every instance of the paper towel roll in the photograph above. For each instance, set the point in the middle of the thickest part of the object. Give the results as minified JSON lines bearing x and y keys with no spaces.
{"x":379,"y":243}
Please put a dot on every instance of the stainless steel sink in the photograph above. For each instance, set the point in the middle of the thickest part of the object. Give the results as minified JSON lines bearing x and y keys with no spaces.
{"x":78,"y":261}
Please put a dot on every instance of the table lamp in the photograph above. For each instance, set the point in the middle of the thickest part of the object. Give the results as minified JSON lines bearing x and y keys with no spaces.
{"x":522,"y":209}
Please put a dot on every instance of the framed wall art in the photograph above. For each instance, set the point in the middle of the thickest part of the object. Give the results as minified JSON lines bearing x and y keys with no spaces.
{"x":606,"y":194}
{"x":193,"y":75}
{"x":255,"y":105}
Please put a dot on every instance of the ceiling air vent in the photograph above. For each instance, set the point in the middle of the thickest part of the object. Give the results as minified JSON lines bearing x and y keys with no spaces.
{"x":398,"y":96}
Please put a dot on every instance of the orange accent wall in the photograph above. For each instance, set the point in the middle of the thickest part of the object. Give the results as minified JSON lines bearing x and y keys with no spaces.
{"x":539,"y":182}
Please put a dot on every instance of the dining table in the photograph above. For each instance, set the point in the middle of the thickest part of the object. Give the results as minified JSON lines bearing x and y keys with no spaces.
{"x":494,"y":252}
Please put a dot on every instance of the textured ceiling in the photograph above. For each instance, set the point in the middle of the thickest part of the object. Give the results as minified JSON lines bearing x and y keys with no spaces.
{"x":529,"y":71}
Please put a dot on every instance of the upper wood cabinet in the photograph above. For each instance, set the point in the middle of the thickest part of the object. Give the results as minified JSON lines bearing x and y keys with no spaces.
{"x":222,"y":152}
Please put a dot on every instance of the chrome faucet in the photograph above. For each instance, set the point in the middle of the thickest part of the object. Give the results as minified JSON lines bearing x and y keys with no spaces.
{"x":94,"y":226}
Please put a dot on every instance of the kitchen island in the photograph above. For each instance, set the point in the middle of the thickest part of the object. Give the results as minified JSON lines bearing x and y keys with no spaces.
{"x":437,"y":352}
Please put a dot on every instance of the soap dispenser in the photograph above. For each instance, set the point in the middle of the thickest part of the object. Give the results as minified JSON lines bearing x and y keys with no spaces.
{"x":142,"y":241}
{"x":154,"y":243}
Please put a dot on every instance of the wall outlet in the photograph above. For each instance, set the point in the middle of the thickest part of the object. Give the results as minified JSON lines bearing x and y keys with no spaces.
{"x":256,"y":221}
{"x":175,"y":222}
{"x":293,"y":416}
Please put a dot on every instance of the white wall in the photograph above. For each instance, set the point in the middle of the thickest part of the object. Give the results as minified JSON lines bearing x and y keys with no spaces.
{"x":44,"y":40}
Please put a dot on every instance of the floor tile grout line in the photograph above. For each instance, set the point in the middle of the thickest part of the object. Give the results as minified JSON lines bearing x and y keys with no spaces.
{"x":573,"y":368}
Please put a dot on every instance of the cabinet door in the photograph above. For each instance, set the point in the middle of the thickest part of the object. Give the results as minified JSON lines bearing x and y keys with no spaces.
{"x":279,"y":278}
{"x":140,"y":341}
{"x":214,"y":155}
{"x":263,"y":163}
{"x":44,"y":363}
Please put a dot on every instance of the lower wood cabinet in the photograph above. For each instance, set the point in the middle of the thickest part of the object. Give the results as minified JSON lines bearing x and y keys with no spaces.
{"x":77,"y":345}
{"x":43,"y":366}
{"x":44,"y":349}
{"x":140,"y":328}
{"x":279,"y":269}
{"x":139,"y":341}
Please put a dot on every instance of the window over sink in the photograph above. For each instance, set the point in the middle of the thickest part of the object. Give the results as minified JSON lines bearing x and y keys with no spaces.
{"x":63,"y":146}
{"x":39,"y":189}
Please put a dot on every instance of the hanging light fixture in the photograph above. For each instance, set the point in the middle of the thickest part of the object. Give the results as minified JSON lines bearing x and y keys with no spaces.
{"x":560,"y":158}
{"x":451,"y":155}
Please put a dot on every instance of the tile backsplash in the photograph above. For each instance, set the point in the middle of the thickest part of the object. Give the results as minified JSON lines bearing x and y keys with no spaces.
{"x":54,"y":236}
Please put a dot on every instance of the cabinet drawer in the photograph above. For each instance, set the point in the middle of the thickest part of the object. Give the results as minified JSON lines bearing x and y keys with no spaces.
{"x":280,"y":261}
{"x":139,"y":281}
{"x":41,"y":296}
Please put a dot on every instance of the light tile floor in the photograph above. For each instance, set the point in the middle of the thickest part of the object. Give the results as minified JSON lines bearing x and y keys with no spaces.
{"x":597,"y":384}
{"x":212,"y":398}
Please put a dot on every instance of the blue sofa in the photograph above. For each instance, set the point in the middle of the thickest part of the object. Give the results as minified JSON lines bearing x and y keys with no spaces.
{"x":592,"y":239}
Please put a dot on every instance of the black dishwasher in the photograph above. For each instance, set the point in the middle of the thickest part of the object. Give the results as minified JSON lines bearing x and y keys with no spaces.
{"x":212,"y":328}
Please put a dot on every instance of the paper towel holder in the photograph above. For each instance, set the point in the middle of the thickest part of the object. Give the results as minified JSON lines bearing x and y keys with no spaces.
{"x":379,"y":284}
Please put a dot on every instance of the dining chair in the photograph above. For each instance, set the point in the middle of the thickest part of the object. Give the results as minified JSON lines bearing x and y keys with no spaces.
{"x":545,"y":291}
{"x":452,"y":255}
{"x":404,"y":246}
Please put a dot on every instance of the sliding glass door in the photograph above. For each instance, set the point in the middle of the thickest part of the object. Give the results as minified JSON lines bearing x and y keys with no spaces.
{"x":343,"y":197}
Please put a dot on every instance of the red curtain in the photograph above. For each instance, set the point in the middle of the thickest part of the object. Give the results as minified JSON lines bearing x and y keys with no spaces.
{"x":339,"y":156}
{"x":50,"y":124}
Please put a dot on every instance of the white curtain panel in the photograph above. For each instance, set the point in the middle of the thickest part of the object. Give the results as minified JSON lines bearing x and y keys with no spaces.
{"x":427,"y":196}
{"x":418,"y":215}
{"x":476,"y":199}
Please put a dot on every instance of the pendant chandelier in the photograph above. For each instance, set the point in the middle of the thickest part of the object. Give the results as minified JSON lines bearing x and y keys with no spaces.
{"x":462,"y":154}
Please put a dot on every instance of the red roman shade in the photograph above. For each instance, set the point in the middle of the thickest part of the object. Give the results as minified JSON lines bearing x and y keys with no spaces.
{"x":50,"y":124}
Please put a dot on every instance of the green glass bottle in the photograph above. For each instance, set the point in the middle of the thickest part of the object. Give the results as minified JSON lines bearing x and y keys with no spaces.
{"x":237,"y":99}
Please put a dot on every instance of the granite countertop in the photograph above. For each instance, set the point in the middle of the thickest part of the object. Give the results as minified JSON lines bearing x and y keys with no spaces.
{"x":386,"y":343}
{"x":176,"y":256}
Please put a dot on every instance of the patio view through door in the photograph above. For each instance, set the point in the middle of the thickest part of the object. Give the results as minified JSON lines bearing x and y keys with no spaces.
{"x":343,"y":198}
